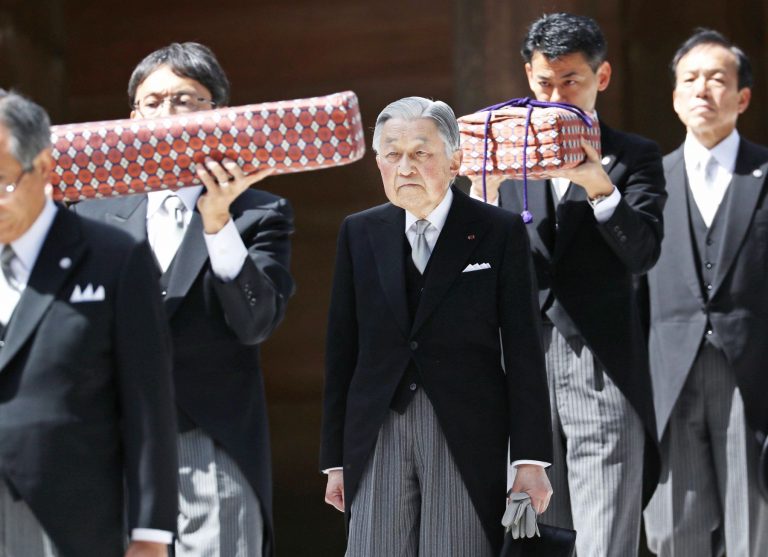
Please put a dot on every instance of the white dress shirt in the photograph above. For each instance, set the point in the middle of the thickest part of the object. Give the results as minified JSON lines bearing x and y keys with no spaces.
{"x":436,"y":222}
{"x":226,"y":249}
{"x":27,"y":248}
{"x":709,"y":194}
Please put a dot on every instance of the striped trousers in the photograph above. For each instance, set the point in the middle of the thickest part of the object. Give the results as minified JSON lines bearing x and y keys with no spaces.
{"x":21,"y":535}
{"x":411,"y":500}
{"x":219,"y":514}
{"x":597,"y":472}
{"x":707,"y":500}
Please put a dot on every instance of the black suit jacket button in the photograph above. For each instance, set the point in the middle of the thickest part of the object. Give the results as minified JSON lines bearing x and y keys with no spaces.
{"x":710,"y":241}
{"x":413,"y":386}
{"x":414,"y":345}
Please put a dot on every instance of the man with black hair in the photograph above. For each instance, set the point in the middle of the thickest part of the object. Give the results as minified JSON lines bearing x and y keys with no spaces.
{"x":709,"y":316}
{"x":223,"y":254}
{"x":594,"y":228}
{"x":87,"y":427}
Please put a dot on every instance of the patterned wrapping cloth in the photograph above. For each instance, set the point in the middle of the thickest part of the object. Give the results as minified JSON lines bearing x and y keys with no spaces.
{"x":553,"y":141}
{"x":121,"y":157}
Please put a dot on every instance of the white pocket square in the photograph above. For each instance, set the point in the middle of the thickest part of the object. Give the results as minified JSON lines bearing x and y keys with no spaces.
{"x":87,"y":294}
{"x":476,"y":267}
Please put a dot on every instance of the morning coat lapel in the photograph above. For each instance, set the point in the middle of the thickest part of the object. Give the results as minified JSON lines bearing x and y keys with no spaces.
{"x":386,"y":234}
{"x":746,"y":185}
{"x":130,"y":216}
{"x":538,"y":205}
{"x":187,"y":264}
{"x":59,"y":257}
{"x":571,"y":211}
{"x":462,"y":233}
{"x":678,"y":238}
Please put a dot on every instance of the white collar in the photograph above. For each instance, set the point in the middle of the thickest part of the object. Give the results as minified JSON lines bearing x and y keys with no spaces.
{"x":27,"y":246}
{"x":438,"y":215}
{"x":187,"y":195}
{"x":725,"y":152}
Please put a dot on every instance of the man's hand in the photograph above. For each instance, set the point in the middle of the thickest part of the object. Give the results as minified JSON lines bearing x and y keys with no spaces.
{"x":146,"y":549}
{"x":224,"y":182}
{"x":334,"y":490}
{"x":492,"y":183}
{"x":589,"y":174}
{"x":533,"y":480}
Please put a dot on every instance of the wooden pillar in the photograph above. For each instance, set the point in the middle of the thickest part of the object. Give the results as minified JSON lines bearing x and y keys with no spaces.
{"x":31,"y":52}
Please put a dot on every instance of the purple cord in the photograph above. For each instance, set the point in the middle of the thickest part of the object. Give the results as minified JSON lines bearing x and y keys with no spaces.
{"x":530,"y":104}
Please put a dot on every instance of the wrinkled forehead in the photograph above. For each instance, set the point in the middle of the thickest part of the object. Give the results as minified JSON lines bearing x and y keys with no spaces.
{"x":708,"y":58}
{"x":416,"y":131}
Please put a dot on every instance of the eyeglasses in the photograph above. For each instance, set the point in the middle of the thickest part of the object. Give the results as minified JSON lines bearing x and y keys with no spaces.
{"x":180,"y":103}
{"x":7,"y":188}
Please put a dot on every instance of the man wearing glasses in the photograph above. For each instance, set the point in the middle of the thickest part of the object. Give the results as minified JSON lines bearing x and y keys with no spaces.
{"x":87,"y":427}
{"x":222,"y":254}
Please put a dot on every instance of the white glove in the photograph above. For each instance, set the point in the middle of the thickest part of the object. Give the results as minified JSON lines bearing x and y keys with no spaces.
{"x":520,"y":519}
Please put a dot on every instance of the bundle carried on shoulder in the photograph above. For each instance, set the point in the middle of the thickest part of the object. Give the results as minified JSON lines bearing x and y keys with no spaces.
{"x":121,"y":157}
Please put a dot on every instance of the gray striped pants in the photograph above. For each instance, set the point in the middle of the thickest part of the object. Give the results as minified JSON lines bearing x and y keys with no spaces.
{"x":21,"y":535}
{"x":219,"y":514}
{"x":412,"y":500}
{"x":597,"y":473}
{"x":707,"y":500}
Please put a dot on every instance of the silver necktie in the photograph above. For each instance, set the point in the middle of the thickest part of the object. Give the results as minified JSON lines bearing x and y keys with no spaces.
{"x":420,"y":251}
{"x":710,"y":172}
{"x":6,"y":257}
{"x":172,"y":232}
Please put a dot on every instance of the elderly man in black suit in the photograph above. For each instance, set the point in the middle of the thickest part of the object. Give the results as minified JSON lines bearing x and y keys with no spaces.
{"x":223,"y":251}
{"x":594,"y":228}
{"x":434,"y":362}
{"x":709,"y":316}
{"x":87,"y":430}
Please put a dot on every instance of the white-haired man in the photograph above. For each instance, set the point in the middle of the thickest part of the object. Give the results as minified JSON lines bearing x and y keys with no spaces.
{"x":434,"y":361}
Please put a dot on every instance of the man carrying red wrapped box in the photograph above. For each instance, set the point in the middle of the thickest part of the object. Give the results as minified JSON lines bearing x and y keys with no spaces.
{"x":223,"y":252}
{"x":594,"y":227}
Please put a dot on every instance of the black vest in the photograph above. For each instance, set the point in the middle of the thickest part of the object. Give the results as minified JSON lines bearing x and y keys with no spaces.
{"x":707,"y":243}
{"x":414,"y":283}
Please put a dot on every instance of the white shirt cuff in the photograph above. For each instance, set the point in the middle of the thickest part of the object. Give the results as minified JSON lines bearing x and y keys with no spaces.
{"x":151,"y":535}
{"x":517,"y":463}
{"x":332,"y":470}
{"x":226,"y":251}
{"x":495,"y":202}
{"x":605,"y":208}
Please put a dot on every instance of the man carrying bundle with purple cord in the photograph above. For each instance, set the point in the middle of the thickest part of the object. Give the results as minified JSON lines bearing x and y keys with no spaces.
{"x":594,"y":227}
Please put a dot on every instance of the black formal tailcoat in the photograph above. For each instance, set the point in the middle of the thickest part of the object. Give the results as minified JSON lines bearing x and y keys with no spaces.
{"x":86,"y":396}
{"x":589,"y":267}
{"x":217,"y":326}
{"x":737,"y":308}
{"x":455,"y":338}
